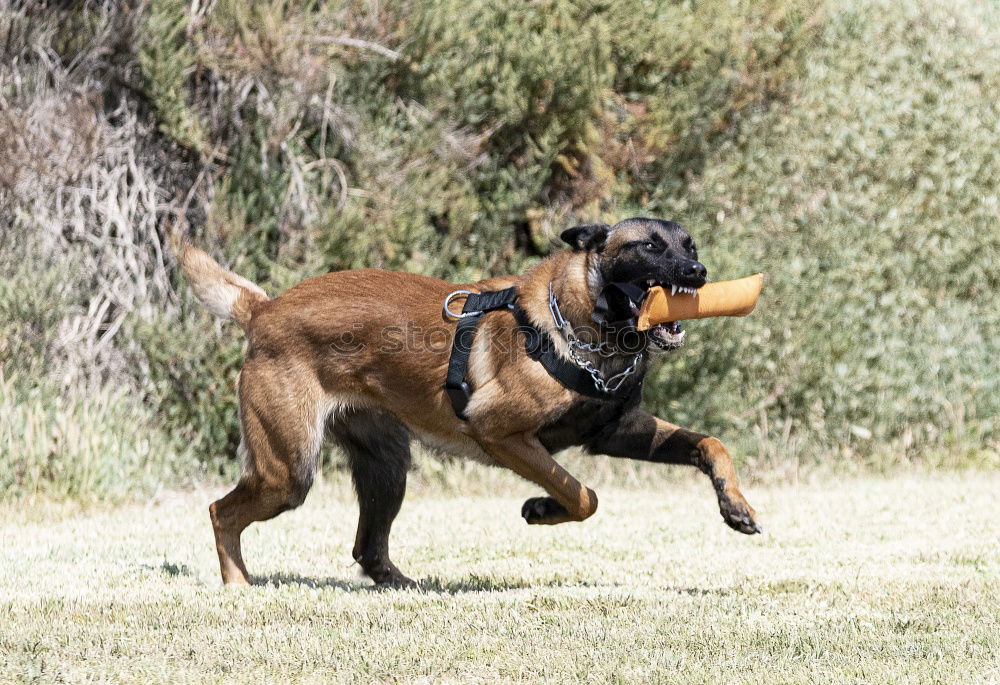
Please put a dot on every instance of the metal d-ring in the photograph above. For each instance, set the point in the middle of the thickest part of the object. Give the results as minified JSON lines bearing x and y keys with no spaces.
{"x":460,"y":315}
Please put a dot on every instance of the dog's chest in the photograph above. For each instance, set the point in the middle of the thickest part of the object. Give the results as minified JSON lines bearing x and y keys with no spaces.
{"x":586,"y":420}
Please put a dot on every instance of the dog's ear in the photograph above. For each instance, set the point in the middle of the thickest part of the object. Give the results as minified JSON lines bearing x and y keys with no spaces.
{"x":589,"y":237}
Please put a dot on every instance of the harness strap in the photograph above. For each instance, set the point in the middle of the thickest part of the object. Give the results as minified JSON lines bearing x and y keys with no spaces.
{"x":476,"y":304}
{"x":537,"y":344}
{"x":618,"y":297}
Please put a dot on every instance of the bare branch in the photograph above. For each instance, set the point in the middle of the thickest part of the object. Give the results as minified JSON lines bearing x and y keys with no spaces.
{"x":361,"y":44}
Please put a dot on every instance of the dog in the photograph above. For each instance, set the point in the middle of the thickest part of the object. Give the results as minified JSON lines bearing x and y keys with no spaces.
{"x":361,"y":357}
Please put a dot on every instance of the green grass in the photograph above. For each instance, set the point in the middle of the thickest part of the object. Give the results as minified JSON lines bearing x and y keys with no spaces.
{"x":854,"y":581}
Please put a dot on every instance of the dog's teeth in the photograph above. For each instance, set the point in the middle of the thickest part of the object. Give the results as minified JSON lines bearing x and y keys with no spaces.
{"x":673,"y":290}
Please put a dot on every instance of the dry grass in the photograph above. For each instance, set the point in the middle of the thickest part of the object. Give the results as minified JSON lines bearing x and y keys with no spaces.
{"x":858,"y":581}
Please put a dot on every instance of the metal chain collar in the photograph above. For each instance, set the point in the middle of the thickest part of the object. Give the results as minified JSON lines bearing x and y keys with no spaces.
{"x":574,"y":344}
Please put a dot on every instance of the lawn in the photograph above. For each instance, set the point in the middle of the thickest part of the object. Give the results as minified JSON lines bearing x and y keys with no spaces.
{"x":868,"y":580}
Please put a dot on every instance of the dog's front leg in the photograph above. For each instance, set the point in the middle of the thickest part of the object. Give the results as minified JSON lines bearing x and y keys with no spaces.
{"x":524,"y":455}
{"x":640,"y":435}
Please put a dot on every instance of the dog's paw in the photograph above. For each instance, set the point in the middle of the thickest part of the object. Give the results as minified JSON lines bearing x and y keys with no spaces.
{"x":540,"y":510}
{"x":386,"y":575}
{"x":739,"y":516}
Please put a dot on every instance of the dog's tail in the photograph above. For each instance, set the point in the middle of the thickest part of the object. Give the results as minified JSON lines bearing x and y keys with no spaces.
{"x":223,"y":293}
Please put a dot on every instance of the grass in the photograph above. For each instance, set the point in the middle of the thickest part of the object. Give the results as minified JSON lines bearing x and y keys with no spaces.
{"x":854,"y":581}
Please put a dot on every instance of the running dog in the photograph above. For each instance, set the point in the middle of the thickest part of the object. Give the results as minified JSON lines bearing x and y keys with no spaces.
{"x":362,"y":357}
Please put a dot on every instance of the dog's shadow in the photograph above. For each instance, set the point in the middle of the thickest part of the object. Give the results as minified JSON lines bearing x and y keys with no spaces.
{"x":453,"y":587}
{"x":430,"y":585}
{"x":280,"y":579}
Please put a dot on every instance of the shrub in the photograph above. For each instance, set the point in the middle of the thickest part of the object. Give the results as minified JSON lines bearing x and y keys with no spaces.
{"x":95,"y":445}
{"x":843,"y":149}
{"x":871,"y":203}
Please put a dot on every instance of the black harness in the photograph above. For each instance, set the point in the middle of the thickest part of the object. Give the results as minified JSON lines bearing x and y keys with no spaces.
{"x":537,"y":344}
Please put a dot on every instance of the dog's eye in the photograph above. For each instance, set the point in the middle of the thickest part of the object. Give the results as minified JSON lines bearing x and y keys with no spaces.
{"x":652,"y":247}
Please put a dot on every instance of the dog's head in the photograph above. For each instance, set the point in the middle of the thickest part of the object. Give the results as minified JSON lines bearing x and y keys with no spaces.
{"x":643,"y":253}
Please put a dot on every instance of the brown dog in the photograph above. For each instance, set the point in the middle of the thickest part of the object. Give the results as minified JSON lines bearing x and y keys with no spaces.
{"x":362,"y":356}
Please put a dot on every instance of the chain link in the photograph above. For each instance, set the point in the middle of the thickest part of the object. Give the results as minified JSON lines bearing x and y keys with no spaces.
{"x":601,"y":348}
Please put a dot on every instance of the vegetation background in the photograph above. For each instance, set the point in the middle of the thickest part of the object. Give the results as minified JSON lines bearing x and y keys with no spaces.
{"x":847,"y":149}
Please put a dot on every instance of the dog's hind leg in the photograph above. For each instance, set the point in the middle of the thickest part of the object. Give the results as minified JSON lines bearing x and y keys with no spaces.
{"x":377,"y":445}
{"x":283,"y":421}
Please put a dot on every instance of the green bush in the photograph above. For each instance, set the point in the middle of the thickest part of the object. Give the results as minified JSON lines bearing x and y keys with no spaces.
{"x":871,"y":203}
{"x":84,"y":445}
{"x":845,"y":149}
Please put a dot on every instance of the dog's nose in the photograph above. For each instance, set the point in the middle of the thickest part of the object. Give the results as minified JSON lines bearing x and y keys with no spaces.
{"x":695,"y":271}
